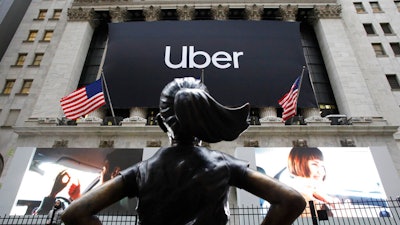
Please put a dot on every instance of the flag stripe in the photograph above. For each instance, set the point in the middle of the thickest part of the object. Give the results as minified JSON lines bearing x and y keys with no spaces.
{"x":289,"y":101}
{"x":86,"y":104}
{"x":83,"y":101}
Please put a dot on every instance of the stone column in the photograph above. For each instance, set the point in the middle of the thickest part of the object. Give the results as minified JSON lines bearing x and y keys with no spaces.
{"x":347,"y":81}
{"x":137,"y":117}
{"x":254,"y":12}
{"x":94,"y":118}
{"x":220,"y":12}
{"x":313,"y":117}
{"x":152,"y":13}
{"x":288,"y":12}
{"x":65,"y":69}
{"x":186,"y":12}
{"x":269,"y":115}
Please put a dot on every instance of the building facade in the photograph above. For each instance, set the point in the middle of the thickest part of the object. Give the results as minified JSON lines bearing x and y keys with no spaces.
{"x":352,"y":51}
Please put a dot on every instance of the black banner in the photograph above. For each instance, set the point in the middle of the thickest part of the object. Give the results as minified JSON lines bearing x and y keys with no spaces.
{"x":242,"y":61}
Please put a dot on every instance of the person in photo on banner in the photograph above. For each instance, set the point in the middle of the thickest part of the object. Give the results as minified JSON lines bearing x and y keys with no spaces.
{"x":307,"y":174}
{"x":186,"y":183}
{"x":54,"y":216}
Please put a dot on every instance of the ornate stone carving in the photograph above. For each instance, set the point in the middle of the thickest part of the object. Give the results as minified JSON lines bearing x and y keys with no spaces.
{"x":220,"y":12}
{"x":60,"y":143}
{"x":327,"y":12}
{"x":347,"y":142}
{"x":186,"y":12}
{"x":153,"y":143}
{"x":106,"y":144}
{"x":251,"y":143}
{"x":288,"y":12}
{"x":83,"y":14}
{"x":119,"y":15}
{"x":152,"y":13}
{"x":300,"y":143}
{"x":254,"y":12}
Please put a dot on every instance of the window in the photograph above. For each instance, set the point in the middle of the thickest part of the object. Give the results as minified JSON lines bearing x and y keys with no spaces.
{"x":21,"y":59}
{"x":8,"y":87}
{"x":38,"y":59}
{"x":395,"y":48}
{"x":359,"y":7}
{"x":393,"y":81}
{"x":32,"y":35}
{"x":56,"y":14}
{"x":375,"y":7}
{"x":26,"y":86}
{"x":397,"y":3}
{"x":369,"y":28}
{"x":48,"y":34}
{"x":387,"y":29}
{"x":12,"y":117}
{"x":42,"y":14}
{"x":1,"y":163}
{"x":378,"y":48}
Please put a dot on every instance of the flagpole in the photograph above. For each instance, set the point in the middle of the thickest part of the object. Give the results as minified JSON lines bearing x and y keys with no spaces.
{"x":301,"y":78}
{"x":108,"y":97}
{"x":300,"y":83}
{"x":313,"y":88}
{"x":101,"y":73}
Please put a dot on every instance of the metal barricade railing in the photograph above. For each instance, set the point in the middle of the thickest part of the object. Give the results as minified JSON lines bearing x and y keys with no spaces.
{"x":366,"y":212}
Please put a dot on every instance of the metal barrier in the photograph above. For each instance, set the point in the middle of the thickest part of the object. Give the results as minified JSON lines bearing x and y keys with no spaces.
{"x":363,"y":212}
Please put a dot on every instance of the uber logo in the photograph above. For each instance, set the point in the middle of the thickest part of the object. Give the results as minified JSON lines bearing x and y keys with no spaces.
{"x":220,"y":59}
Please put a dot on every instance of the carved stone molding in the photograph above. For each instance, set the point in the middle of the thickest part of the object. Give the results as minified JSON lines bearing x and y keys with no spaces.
{"x":220,"y":12}
{"x":152,"y":13}
{"x":83,"y":14}
{"x":185,"y":12}
{"x":99,"y":1}
{"x":327,"y":12}
{"x":254,"y":12}
{"x":288,"y":12}
{"x":119,"y":15}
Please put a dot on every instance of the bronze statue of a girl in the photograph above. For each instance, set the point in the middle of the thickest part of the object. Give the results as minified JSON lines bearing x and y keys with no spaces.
{"x":185,"y":184}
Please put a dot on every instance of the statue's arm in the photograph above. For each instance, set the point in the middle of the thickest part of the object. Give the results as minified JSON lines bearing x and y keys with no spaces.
{"x":286,"y":203}
{"x":82,"y":211}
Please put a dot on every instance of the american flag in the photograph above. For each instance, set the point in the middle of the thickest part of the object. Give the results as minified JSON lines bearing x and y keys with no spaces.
{"x":83,"y":101}
{"x":289,"y":101}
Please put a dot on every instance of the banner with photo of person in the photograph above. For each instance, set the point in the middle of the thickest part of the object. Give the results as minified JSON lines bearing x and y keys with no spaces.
{"x":65,"y":174}
{"x":344,"y":182}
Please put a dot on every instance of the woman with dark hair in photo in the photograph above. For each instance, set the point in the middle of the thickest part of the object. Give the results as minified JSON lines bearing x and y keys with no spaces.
{"x":185,"y":184}
{"x":307,"y":167}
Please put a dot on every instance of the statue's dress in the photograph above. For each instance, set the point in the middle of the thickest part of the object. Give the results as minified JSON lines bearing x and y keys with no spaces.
{"x":184,"y":185}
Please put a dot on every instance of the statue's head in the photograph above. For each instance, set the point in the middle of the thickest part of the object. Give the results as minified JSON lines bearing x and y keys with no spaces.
{"x":188,"y":112}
